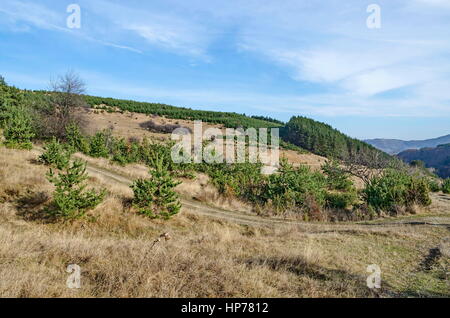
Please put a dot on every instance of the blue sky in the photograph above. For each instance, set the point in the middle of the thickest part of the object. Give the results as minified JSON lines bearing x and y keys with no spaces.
{"x":263,"y":57}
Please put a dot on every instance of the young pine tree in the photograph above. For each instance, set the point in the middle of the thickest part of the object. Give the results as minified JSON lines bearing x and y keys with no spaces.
{"x":155,"y":197}
{"x":71,"y":199}
{"x":446,"y":186}
{"x":55,"y":154}
{"x":76,"y":140}
{"x":18,"y":128}
{"x":99,"y":145}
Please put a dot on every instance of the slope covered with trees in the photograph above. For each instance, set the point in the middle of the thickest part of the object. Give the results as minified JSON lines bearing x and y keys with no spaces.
{"x":228,"y":119}
{"x":308,"y":134}
{"x":324,"y":140}
{"x":305,"y":133}
{"x":437,"y":158}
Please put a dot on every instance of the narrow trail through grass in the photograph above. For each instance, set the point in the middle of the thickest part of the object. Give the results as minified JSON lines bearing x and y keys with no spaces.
{"x":249,"y":219}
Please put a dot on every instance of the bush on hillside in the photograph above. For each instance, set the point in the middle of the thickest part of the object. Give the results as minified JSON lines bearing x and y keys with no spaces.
{"x":341,"y":200}
{"x":241,"y":179}
{"x":124,"y":153}
{"x":55,"y":154}
{"x":71,"y":199}
{"x":10,"y":97}
{"x":76,"y":140}
{"x":162,"y":128}
{"x":446,"y":186}
{"x":337,"y":178}
{"x":297,"y":187}
{"x":434,"y":185}
{"x":99,"y":145}
{"x":18,"y":128}
{"x":396,"y":188}
{"x":155,"y":197}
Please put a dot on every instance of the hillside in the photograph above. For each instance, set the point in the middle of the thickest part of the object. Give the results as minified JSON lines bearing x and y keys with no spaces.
{"x":438,"y":158}
{"x":305,"y":133}
{"x":323,"y":139}
{"x":228,"y":119}
{"x":132,"y":125}
{"x":395,"y":146}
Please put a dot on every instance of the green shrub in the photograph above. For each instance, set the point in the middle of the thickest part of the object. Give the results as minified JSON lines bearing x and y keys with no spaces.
{"x":396,"y":188}
{"x":76,"y":140}
{"x":446,"y":186}
{"x":10,"y":97}
{"x":434,"y":185}
{"x":55,"y":154}
{"x":18,"y":128}
{"x":292,"y":188}
{"x":418,"y":191}
{"x":337,"y":178}
{"x":341,"y":200}
{"x":155,"y":197}
{"x":124,"y":153}
{"x":296,"y":186}
{"x":98,"y":145}
{"x":71,"y":199}
{"x":242,"y":180}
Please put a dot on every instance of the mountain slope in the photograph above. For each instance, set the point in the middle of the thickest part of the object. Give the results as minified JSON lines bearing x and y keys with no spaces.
{"x":316,"y":137}
{"x":324,"y":140}
{"x":395,"y":146}
{"x":438,"y":158}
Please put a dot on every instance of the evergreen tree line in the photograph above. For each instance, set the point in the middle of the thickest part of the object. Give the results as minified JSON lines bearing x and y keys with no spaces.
{"x":324,"y":140}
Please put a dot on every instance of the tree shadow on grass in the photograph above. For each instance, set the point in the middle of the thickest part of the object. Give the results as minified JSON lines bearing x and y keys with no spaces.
{"x":35,"y":161}
{"x":339,"y":280}
{"x":35,"y":207}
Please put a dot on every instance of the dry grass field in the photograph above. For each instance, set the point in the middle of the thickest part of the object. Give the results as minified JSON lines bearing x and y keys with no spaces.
{"x":206,"y":256}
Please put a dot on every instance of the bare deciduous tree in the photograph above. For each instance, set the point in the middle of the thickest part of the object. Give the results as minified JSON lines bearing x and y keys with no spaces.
{"x":65,"y":104}
{"x":366,"y":165}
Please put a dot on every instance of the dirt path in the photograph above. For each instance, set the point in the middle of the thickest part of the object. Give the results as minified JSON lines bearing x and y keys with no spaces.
{"x":255,"y":220}
{"x":199,"y":208}
{"x":441,"y":203}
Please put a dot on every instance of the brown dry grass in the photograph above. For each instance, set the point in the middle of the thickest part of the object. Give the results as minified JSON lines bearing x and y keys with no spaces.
{"x":128,"y":125}
{"x":204,"y":258}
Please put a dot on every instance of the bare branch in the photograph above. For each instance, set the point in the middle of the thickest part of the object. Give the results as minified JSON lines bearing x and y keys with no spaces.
{"x":66,"y":101}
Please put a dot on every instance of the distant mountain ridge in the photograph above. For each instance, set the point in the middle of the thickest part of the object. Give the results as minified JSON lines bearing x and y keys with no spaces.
{"x":395,"y":146}
{"x":438,"y":158}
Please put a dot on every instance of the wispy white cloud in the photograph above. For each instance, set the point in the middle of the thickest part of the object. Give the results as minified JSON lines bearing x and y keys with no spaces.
{"x":158,"y":27}
{"x":426,"y":102}
{"x":22,"y":15}
{"x":31,"y":13}
{"x":401,"y":69}
{"x":341,"y":54}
